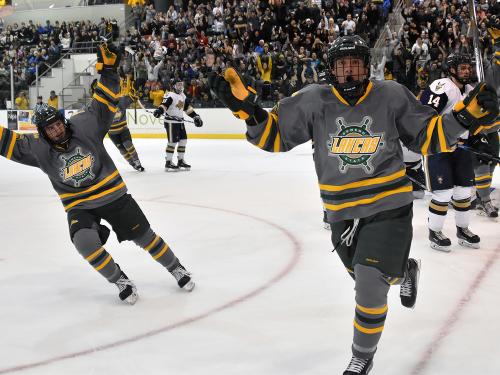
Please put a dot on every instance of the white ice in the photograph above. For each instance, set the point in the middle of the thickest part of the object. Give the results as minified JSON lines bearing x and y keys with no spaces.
{"x":271,"y":298}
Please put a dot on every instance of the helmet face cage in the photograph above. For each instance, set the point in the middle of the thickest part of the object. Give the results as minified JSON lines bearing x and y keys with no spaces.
{"x":454,"y":61}
{"x":46,"y":115}
{"x":354,"y":47}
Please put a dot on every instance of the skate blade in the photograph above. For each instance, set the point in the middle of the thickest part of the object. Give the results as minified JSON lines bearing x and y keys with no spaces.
{"x":189,"y":286}
{"x":184,"y":169}
{"x":444,"y":249}
{"x":484,"y":214}
{"x":464,"y":243}
{"x":171,"y":170}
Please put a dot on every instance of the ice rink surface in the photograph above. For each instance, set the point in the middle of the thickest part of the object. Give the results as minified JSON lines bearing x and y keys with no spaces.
{"x":271,"y":298}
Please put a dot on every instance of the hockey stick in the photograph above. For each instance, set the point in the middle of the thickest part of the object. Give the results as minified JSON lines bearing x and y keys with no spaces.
{"x":475,"y":40}
{"x":165,"y":118}
{"x":416,"y":182}
{"x":493,"y":158}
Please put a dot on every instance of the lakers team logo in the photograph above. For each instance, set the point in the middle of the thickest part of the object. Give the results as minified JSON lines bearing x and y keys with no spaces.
{"x":78,"y":167}
{"x":354,"y":145}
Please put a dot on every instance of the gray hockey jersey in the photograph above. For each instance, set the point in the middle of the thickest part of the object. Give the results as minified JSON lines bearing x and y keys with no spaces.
{"x":84,"y":176}
{"x":358,"y":156}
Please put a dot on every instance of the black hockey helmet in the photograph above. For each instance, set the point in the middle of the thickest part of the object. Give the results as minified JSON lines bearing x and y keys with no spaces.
{"x":43,"y":116}
{"x":353,"y":46}
{"x":453,"y":61}
{"x":177,"y":85}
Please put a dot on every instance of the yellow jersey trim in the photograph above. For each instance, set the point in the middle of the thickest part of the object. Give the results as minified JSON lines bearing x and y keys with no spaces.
{"x":93,"y":197}
{"x":92,"y":188}
{"x":338,"y":207}
{"x":366,"y":182}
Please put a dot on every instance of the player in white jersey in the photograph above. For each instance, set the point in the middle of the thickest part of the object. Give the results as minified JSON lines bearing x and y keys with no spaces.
{"x":174,"y":104}
{"x":450,"y":175}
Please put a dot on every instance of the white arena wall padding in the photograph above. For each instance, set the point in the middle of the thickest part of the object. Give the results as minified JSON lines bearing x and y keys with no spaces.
{"x":218,"y":123}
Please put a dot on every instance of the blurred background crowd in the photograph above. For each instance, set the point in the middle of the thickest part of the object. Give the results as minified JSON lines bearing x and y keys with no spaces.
{"x":278,"y":45}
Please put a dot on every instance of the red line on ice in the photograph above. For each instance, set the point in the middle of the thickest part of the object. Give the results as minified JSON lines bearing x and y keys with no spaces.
{"x":275,"y":279}
{"x":455,"y":316}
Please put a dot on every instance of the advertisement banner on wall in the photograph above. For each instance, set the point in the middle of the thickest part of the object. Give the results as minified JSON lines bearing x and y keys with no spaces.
{"x":24,"y":121}
{"x":12,"y":120}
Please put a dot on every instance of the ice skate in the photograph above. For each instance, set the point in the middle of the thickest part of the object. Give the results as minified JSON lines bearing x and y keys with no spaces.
{"x":170,"y":167}
{"x":326,"y":224}
{"x":409,"y":287}
{"x":439,"y":241}
{"x":137,"y":166}
{"x":182,"y":165}
{"x":183,"y":278}
{"x":128,"y":290}
{"x":487,"y":209}
{"x":467,"y":239}
{"x":359,"y":366}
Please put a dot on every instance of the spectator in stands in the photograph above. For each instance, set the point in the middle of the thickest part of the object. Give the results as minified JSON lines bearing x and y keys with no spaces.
{"x":53,"y":100}
{"x":22,"y":101}
{"x":39,"y":102}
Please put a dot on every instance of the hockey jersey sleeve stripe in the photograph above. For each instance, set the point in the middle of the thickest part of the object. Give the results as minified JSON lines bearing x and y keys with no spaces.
{"x":338,"y":207}
{"x":11,"y":146}
{"x":115,"y":96}
{"x":93,"y":187}
{"x":483,"y":177}
{"x":8,"y":139}
{"x":267,"y":130}
{"x":105,"y":102}
{"x":430,"y":132}
{"x":487,"y":127}
{"x":366,"y":182}
{"x":96,"y":196}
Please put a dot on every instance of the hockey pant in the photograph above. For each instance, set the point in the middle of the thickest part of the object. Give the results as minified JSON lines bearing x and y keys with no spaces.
{"x":123,"y":141}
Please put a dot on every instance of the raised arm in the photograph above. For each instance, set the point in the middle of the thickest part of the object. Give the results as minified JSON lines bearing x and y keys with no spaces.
{"x":289,"y":123}
{"x":18,"y":147}
{"x":107,"y":90}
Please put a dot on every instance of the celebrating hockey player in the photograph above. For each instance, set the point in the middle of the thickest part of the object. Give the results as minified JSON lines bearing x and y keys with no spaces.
{"x":72,"y":154}
{"x":173,"y":105}
{"x":356,"y":126}
{"x":119,"y":132}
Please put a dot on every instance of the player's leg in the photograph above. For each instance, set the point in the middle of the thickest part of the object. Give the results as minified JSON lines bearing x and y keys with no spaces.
{"x":116,"y":139}
{"x":172,"y":136}
{"x":89,"y":238}
{"x":134,"y":161}
{"x":380,"y":260}
{"x":130,"y":224}
{"x":483,"y":177}
{"x":463,"y":175}
{"x":181,"y":149}
{"x":439,"y":178}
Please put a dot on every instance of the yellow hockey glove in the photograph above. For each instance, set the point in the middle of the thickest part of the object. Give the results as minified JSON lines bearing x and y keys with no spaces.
{"x":108,"y":57}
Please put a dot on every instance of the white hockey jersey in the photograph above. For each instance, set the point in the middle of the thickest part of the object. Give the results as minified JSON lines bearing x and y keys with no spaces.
{"x":443,"y":94}
{"x":175,"y":103}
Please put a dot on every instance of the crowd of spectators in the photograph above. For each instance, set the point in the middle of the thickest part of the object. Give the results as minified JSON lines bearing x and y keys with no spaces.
{"x":279,"y":46}
{"x":29,"y":46}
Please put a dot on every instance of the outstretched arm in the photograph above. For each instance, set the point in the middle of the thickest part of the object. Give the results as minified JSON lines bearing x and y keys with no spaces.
{"x":18,"y":147}
{"x":286,"y":126}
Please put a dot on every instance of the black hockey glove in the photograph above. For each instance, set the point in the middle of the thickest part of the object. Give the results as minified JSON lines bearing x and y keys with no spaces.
{"x":108,"y":58}
{"x":158,"y":112}
{"x":198,"y":122}
{"x":480,"y":143}
{"x":232,"y":91}
{"x":478,"y":109}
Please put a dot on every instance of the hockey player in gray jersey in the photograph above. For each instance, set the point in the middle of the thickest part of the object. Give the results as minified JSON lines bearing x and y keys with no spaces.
{"x":356,"y":126}
{"x":173,"y":106}
{"x":72,"y":154}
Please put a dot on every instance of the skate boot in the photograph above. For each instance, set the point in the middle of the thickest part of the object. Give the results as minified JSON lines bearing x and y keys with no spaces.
{"x":487,"y":209}
{"x":467,"y":239}
{"x":137,"y":166}
{"x":183,"y":278}
{"x":128,"y":291}
{"x":359,"y":366}
{"x":326,"y":224}
{"x":170,"y":167}
{"x":439,"y":241}
{"x":409,"y":288}
{"x":182,"y":165}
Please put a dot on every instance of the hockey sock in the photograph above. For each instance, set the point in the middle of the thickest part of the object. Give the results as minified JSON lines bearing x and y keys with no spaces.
{"x":158,"y":249}
{"x":483,"y":186}
{"x":438,"y":208}
{"x":89,"y":245}
{"x":371,"y":310}
{"x":461,"y":205}
{"x":129,"y":146}
{"x":181,"y":149}
{"x":170,"y":151}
